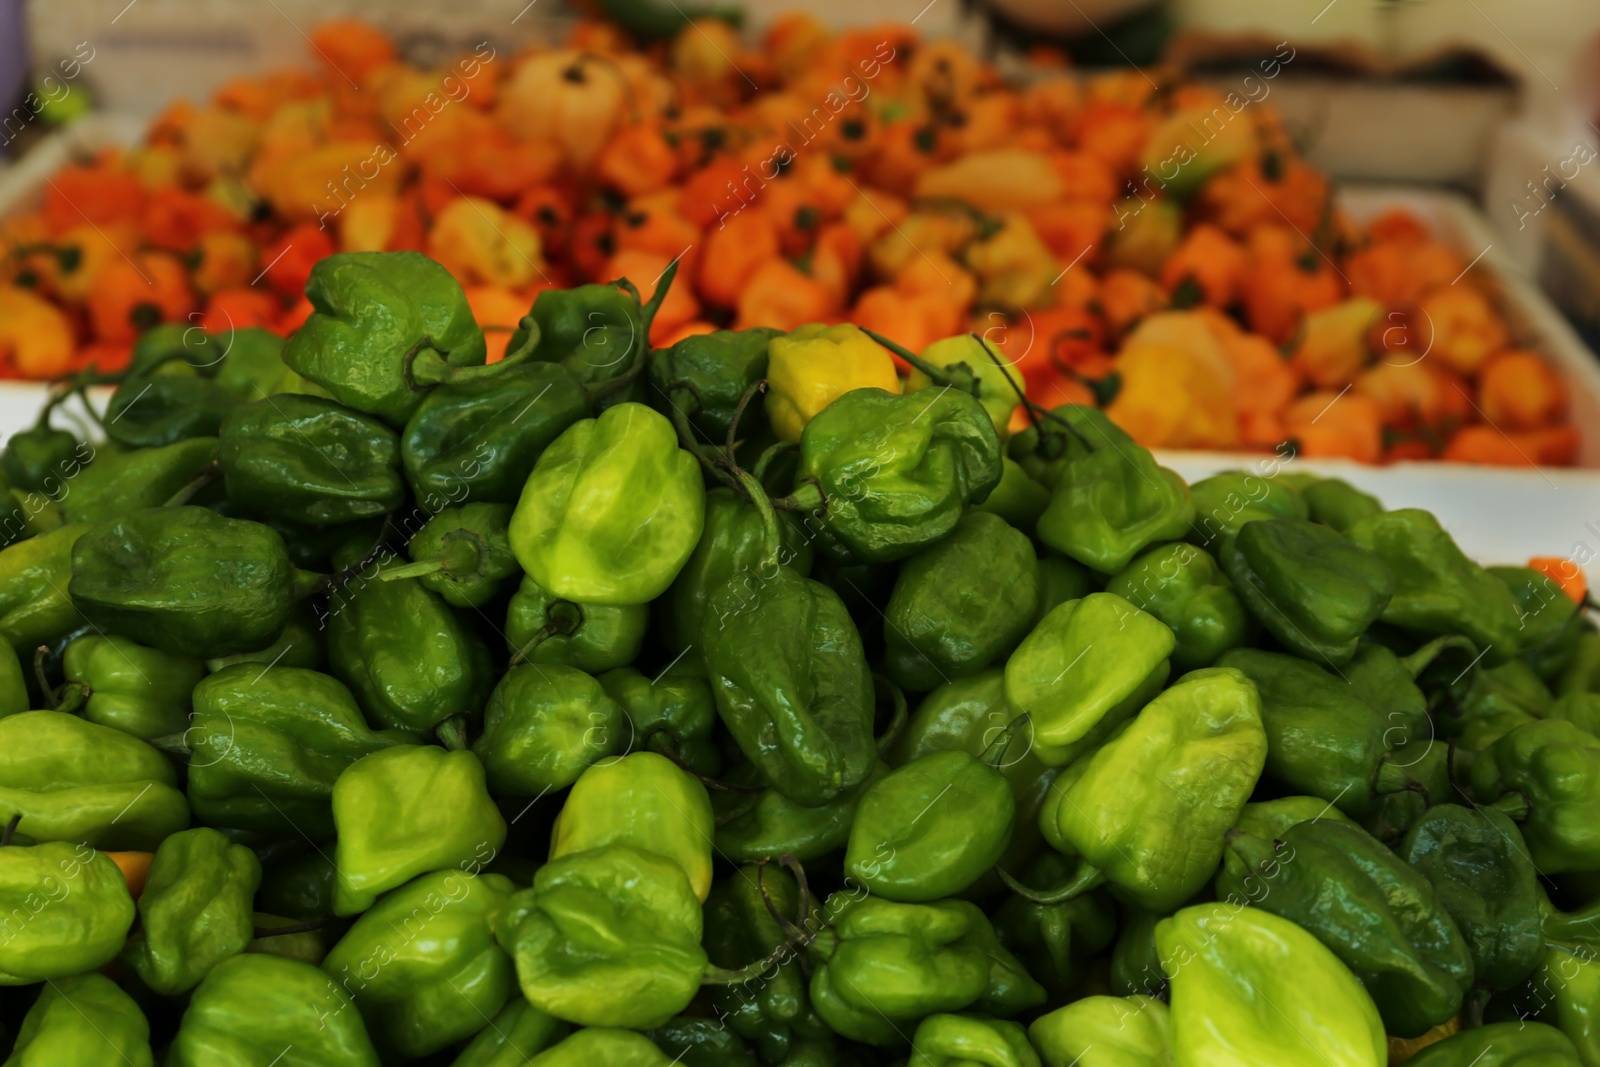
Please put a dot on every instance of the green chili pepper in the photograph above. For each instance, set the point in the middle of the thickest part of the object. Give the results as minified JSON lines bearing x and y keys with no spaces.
{"x":309,"y":460}
{"x":792,"y":685}
{"x":383,"y":326}
{"x":1225,"y":502}
{"x":267,"y":746}
{"x":1546,"y":618}
{"x":597,"y":332}
{"x":1335,"y":502}
{"x":1018,"y":499}
{"x":300,"y":887}
{"x":36,"y":457}
{"x":1546,"y":776}
{"x":253,"y":366}
{"x":1056,"y":942}
{"x":1490,"y":702}
{"x":422,"y":964}
{"x":34,"y":574}
{"x":156,"y":405}
{"x":118,"y":482}
{"x":1581,"y":675}
{"x":675,"y":709}
{"x":615,"y":1048}
{"x":964,"y":362}
{"x":1105,"y":1032}
{"x":1047,"y":445}
{"x":700,"y":1042}
{"x":611,"y":511}
{"x":140,"y":691}
{"x":767,"y":824}
{"x":1113,"y":501}
{"x":67,"y":911}
{"x":1519,"y":1044}
{"x":1385,"y":922}
{"x":1062,"y":579}
{"x":961,"y":1040}
{"x":462,"y":554}
{"x":1135,"y":960}
{"x":938,"y":629}
{"x":544,"y":628}
{"x":85,"y":1019}
{"x":546,"y":723}
{"x":405,"y":811}
{"x":252,"y":1007}
{"x":520,"y":1031}
{"x":1087,"y":667}
{"x":195,"y":910}
{"x":1564,"y":993}
{"x":1183,"y":587}
{"x":705,"y":376}
{"x":13,"y":686}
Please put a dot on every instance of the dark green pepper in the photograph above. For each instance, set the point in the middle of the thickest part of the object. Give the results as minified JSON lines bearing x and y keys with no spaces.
{"x":1548,"y":618}
{"x":960,"y":603}
{"x":1046,"y":446}
{"x":67,"y":911}
{"x":1183,"y":587}
{"x":700,"y":1042}
{"x":195,"y":910}
{"x":1224,"y":502}
{"x":518,"y":1033}
{"x":1519,"y":1044}
{"x":597,"y":332}
{"x":1018,"y":499}
{"x":544,"y":724}
{"x":185,"y":580}
{"x":1309,"y":586}
{"x":1490,"y":702}
{"x":253,"y":366}
{"x":1546,"y":776}
{"x":765,"y":825}
{"x":1565,"y":993}
{"x":462,"y":554}
{"x":34,"y":574}
{"x":1335,"y":502}
{"x":155,"y":406}
{"x":792,"y":685}
{"x":1062,"y":579}
{"x":309,"y":460}
{"x":708,"y":374}
{"x":119,"y":482}
{"x":40,"y":456}
{"x":1057,"y":941}
{"x":300,"y":887}
{"x":140,"y":691}
{"x":544,"y":628}
{"x":960,"y":1040}
{"x":675,"y":711}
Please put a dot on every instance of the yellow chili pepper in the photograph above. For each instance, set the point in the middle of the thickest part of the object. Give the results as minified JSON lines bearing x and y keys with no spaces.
{"x":813,"y":365}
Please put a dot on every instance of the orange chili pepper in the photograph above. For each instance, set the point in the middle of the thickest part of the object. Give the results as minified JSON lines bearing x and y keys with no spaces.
{"x":688,"y":329}
{"x":1114,"y":133}
{"x":294,"y":317}
{"x":135,"y":867}
{"x":637,"y":160}
{"x":1467,"y":330}
{"x":1285,"y":279}
{"x":289,"y":259}
{"x":1517,"y":390}
{"x":1207,"y":267}
{"x":550,"y":209}
{"x":223,"y":261}
{"x":354,"y":49}
{"x":75,"y":195}
{"x":1555,"y":447}
{"x":176,"y":219}
{"x":779,"y":294}
{"x":498,"y":310}
{"x":238,"y":309}
{"x":135,"y":294}
{"x":1275,"y":189}
{"x":656,"y":227}
{"x":912,"y":320}
{"x":733,"y":253}
{"x":1125,"y":297}
{"x":1326,"y":424}
{"x":717,"y":190}
{"x":1401,"y":272}
{"x":1565,"y":573}
{"x":593,"y":241}
{"x":836,"y":261}
{"x":1073,"y":230}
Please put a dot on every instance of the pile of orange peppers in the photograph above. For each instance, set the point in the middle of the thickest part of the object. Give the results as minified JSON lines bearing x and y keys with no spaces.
{"x":1128,"y":239}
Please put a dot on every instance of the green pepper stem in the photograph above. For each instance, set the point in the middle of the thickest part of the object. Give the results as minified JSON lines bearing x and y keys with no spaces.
{"x":307,"y":583}
{"x":562,"y":618}
{"x":419,"y":569}
{"x":1392,"y":778}
{"x":680,"y":422}
{"x":1419,"y":660}
{"x":41,"y":676}
{"x":1033,"y":411}
{"x":10,"y":830}
{"x":313,"y":926}
{"x":463,"y":554}
{"x":757,"y":386}
{"x":750,"y":971}
{"x":899,"y":717}
{"x":205,"y":477}
{"x":807,"y":496}
{"x":938,"y":375}
{"x":994,"y":755}
{"x":790,"y":927}
{"x":1513,"y":805}
{"x":768,"y":456}
{"x":648,"y":311}
{"x":71,"y":697}
{"x":751,"y":485}
{"x":1084,"y":879}
{"x":175,"y":745}
{"x":452,"y":733}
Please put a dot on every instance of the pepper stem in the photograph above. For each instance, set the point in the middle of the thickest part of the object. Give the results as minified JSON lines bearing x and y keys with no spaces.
{"x":463,"y":555}
{"x":750,"y":971}
{"x":40,"y":654}
{"x":1085,"y":878}
{"x":203,"y":478}
{"x":897,"y":719}
{"x":648,"y":311}
{"x":1514,"y":805}
{"x":10,"y":830}
{"x":768,"y":456}
{"x":757,"y":386}
{"x":562,"y":618}
{"x":763,"y":504}
{"x":938,"y":375}
{"x":680,"y":422}
{"x":314,"y":925}
{"x":807,"y":496}
{"x":1033,"y":411}
{"x":994,"y":755}
{"x":1392,"y":778}
{"x":172,"y":744}
{"x":452,"y":733}
{"x":1419,"y":660}
{"x":71,"y":697}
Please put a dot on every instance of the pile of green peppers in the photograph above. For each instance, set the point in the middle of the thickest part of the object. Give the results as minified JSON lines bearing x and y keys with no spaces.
{"x":362,"y":702}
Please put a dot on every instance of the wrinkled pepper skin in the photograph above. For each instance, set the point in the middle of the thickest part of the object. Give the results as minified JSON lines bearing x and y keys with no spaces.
{"x":543,"y":726}
{"x":1113,"y":501}
{"x":195,"y":910}
{"x":82,"y":1021}
{"x":675,"y":711}
{"x":435,"y":813}
{"x":518,"y":1032}
{"x":1105,"y":1032}
{"x":1490,"y":702}
{"x":1087,"y":667}
{"x":931,"y":828}
{"x":645,"y":801}
{"x":1268,"y":819}
{"x":66,"y":911}
{"x":609,"y":937}
{"x":706,"y":376}
{"x":1386,"y":923}
{"x":612,"y":509}
{"x":1056,"y":942}
{"x":1545,"y":618}
{"x":960,"y":603}
{"x":765,"y":825}
{"x":72,"y":780}
{"x":252,"y":1007}
{"x":406,"y":655}
{"x":1546,"y":775}
{"x":267,"y":746}
{"x":479,"y":440}
{"x":1438,"y":590}
{"x":1335,"y":502}
{"x":470,"y":548}
{"x":372,"y":313}
{"x":792,"y":685}
{"x":1018,"y":499}
{"x":140,"y":691}
{"x":1310,"y":587}
{"x":309,"y":460}
{"x":1478,"y":866}
{"x":118,"y":482}
{"x":184,"y":580}
{"x":153,"y":407}
{"x":598,"y":331}
{"x":1185,"y":588}
{"x":813,"y":365}
{"x":254,"y":368}
{"x":544,"y":628}
{"x":34,"y":606}
{"x":422,"y":964}
{"x":895,"y":473}
{"x":963,"y":1040}
{"x":1519,"y":1044}
{"x":1249,"y":987}
{"x":1224,"y":502}
{"x":37,"y":456}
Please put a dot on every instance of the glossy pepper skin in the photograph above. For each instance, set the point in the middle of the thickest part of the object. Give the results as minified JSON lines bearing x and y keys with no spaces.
{"x":167,"y":402}
{"x":436,"y":814}
{"x":185,"y":580}
{"x":34,"y":606}
{"x":1386,"y":923}
{"x":1565,"y":993}
{"x":1018,"y":499}
{"x":422,"y":964}
{"x":546,"y":723}
{"x":518,"y":1032}
{"x":406,"y":655}
{"x":1335,"y":502}
{"x":792,"y":685}
{"x":931,"y":828}
{"x":35,"y":457}
{"x":1490,"y":702}
{"x":597,"y":332}
{"x":1224,"y":502}
{"x":310,"y":460}
{"x":1056,"y":942}
{"x":1438,"y":590}
{"x":377,"y":318}
{"x":1105,"y":1032}
{"x":960,"y":1040}
{"x":1087,"y":666}
{"x":964,"y":362}
{"x":1519,"y":1044}
{"x":765,"y":825}
{"x":72,"y":780}
{"x":118,"y":482}
{"x":645,"y":801}
{"x":478,"y":440}
{"x":895,"y":473}
{"x":1250,"y":987}
{"x":67,"y":911}
{"x":1478,"y":866}
{"x":1185,"y":588}
{"x":254,"y":368}
{"x":1111,"y":501}
{"x":252,"y":1006}
{"x":140,"y":691}
{"x":616,"y":1048}
{"x":267,"y":747}
{"x":81,"y":1020}
{"x":1546,"y":776}
{"x":609,"y":937}
{"x":1313,"y":589}
{"x":1545,"y":618}
{"x":706,"y":375}
{"x":1200,"y":747}
{"x":195,"y":910}
{"x":938,"y":628}
{"x":468,"y":552}
{"x":544,"y":628}
{"x":612,"y":509}
{"x":675,"y":711}
{"x":813,"y":365}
